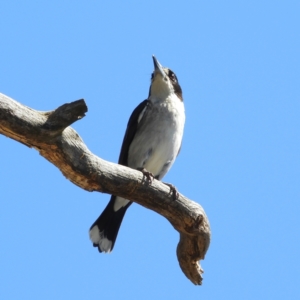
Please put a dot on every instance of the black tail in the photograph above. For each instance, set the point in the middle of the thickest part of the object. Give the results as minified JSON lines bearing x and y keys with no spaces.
{"x":104,"y":230}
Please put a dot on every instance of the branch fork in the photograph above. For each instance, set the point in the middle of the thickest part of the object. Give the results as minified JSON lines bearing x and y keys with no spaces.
{"x":49,"y":133}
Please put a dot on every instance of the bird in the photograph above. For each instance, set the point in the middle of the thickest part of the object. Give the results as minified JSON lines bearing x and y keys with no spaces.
{"x":151,"y":144}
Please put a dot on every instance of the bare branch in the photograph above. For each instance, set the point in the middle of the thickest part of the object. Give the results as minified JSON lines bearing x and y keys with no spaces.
{"x":48,"y":133}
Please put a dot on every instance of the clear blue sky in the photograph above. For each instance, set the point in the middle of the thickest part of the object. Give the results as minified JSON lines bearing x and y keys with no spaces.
{"x":239,"y":67}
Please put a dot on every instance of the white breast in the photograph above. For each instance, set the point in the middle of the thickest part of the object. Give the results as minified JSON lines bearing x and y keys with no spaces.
{"x":158,"y":139}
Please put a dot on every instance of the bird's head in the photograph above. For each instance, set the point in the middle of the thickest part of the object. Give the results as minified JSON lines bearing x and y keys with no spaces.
{"x":164,"y":82}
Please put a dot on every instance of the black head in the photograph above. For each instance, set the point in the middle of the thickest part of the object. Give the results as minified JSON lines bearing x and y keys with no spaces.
{"x":164,"y":81}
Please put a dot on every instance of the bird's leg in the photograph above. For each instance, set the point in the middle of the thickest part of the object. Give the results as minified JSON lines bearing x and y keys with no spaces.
{"x":173,"y":190}
{"x":147,"y":174}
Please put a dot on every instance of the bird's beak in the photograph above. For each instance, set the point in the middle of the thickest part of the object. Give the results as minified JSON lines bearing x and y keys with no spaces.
{"x":158,"y":67}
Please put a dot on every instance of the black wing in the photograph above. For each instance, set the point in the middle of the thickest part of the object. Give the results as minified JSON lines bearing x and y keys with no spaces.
{"x":130,"y":132}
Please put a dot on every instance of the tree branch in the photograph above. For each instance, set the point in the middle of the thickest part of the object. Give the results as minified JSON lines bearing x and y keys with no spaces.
{"x":48,"y":133}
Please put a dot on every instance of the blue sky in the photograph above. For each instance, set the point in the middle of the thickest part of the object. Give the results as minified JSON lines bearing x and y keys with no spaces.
{"x":238,"y":65}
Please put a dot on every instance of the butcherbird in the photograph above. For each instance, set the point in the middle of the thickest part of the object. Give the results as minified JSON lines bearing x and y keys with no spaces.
{"x":151,"y":144}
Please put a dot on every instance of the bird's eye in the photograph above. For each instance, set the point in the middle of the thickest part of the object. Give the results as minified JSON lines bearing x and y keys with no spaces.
{"x":172,"y":76}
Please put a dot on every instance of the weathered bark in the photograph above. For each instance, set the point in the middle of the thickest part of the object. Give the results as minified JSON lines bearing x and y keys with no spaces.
{"x":48,"y":133}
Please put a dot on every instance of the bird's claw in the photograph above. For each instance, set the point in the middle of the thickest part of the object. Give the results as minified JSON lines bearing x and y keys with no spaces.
{"x":173,"y":190}
{"x":147,"y":174}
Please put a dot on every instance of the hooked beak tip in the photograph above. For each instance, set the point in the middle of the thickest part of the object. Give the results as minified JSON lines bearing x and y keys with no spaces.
{"x":158,"y":67}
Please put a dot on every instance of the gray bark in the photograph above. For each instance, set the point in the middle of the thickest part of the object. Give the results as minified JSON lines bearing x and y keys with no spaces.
{"x":49,"y":133}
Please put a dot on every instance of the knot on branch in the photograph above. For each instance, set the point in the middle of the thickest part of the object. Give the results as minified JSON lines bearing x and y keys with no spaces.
{"x":63,"y":117}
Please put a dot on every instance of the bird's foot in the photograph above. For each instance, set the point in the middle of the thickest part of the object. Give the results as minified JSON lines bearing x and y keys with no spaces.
{"x":147,"y":174}
{"x":173,"y":190}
